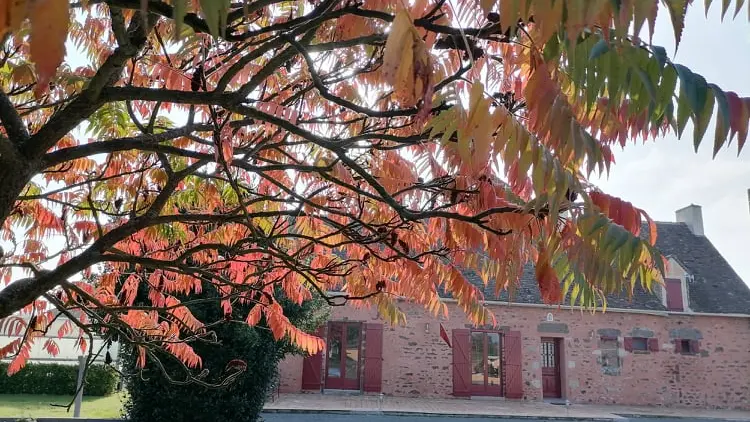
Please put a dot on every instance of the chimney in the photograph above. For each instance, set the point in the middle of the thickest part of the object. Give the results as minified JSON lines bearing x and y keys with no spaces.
{"x":692,"y":215}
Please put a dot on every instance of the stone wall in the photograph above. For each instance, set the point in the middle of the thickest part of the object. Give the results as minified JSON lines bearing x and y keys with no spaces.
{"x":417,"y":362}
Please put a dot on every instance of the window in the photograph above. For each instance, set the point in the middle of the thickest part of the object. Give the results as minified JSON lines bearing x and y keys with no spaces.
{"x":687,"y":346}
{"x":485,"y":363}
{"x":609,"y":358}
{"x":641,"y":344}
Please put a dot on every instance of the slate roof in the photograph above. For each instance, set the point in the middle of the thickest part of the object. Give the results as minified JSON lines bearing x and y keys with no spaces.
{"x":716,"y":287}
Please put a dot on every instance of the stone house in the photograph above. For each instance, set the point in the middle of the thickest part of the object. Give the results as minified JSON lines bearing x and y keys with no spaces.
{"x":686,"y":344}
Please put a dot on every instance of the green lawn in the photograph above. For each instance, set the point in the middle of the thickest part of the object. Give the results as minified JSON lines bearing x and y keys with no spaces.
{"x":36,"y":406}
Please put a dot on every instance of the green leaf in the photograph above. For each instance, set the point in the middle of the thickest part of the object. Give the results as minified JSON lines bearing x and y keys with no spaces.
{"x":215,"y":12}
{"x":598,"y":224}
{"x":701,"y":119}
{"x":601,"y":47}
{"x":683,"y":113}
{"x":724,"y":8}
{"x":661,"y":55}
{"x":644,"y":9}
{"x":648,"y":83}
{"x":707,"y":4}
{"x":695,"y":88}
{"x":722,"y":122}
{"x":180,"y":8}
{"x":677,"y":10}
{"x":738,"y":7}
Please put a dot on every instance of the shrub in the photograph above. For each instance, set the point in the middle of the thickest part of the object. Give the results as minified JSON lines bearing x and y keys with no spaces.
{"x":151,"y":397}
{"x":57,"y":379}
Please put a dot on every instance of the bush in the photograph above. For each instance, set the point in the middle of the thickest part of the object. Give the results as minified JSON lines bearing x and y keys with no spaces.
{"x":57,"y":379}
{"x":151,"y":397}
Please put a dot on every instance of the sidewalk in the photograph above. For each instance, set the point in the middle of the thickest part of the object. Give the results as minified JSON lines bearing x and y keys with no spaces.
{"x":331,"y":403}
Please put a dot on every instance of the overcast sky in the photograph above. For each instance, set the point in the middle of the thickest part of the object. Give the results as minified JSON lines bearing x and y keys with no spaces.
{"x":666,"y":175}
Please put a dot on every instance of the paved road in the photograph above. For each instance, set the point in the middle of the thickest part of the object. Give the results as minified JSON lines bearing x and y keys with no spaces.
{"x":306,"y":417}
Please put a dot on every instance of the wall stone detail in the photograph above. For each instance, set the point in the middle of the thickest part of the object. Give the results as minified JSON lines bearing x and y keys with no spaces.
{"x":663,"y":378}
{"x":552,"y":327}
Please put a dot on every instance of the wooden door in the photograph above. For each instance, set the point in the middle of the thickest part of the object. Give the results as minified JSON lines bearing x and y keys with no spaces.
{"x":343,"y":355}
{"x":551,"y":385}
{"x":485,"y":364}
{"x":513,"y":364}
{"x":461,"y":363}
{"x":312,"y":366}
{"x":373,"y":358}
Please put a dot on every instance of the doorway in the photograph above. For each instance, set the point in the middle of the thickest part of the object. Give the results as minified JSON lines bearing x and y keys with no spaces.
{"x":551,"y":385}
{"x":343,"y":357}
{"x":486,"y":365}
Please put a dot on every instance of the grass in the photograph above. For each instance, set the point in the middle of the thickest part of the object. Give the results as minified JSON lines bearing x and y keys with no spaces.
{"x":37,"y":406}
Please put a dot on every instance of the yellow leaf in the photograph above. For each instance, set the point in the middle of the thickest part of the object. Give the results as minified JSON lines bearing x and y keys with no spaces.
{"x":508,"y":15}
{"x":406,"y":61}
{"x":394,"y":45}
{"x":49,"y":29}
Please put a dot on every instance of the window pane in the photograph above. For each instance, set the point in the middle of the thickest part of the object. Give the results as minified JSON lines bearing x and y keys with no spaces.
{"x":352,"y":351}
{"x":334,"y":351}
{"x":477,"y":358}
{"x":640,"y":343}
{"x":548,"y":355}
{"x":493,"y":359}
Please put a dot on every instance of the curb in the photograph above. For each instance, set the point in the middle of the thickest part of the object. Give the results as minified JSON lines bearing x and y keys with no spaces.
{"x":650,"y":416}
{"x":447,"y":415}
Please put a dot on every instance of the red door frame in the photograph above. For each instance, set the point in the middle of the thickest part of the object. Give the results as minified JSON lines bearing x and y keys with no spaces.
{"x":486,"y":389}
{"x":341,"y":382}
{"x":551,"y":376}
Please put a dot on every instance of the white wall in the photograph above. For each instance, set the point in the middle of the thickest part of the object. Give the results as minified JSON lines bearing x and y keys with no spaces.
{"x":69,"y":351}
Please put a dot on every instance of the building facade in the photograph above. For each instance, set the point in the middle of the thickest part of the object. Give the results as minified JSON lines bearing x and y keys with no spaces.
{"x":686,"y":344}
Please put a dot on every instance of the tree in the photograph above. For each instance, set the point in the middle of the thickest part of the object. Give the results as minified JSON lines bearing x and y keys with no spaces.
{"x":368,"y":148}
{"x":243,"y":355}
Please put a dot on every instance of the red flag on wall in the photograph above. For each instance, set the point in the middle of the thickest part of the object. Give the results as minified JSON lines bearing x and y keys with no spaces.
{"x":444,"y":335}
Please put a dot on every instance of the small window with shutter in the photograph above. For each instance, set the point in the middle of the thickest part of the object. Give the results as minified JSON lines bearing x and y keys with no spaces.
{"x":641,"y":345}
{"x":687,"y":346}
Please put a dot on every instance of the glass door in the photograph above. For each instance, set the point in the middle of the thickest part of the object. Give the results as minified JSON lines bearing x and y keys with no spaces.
{"x":343,"y":357}
{"x":486,"y":364}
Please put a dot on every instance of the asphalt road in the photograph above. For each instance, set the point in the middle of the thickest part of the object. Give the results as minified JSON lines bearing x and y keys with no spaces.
{"x":309,"y":417}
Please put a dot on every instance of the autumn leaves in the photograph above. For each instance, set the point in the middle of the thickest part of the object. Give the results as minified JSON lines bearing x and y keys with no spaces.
{"x":407,"y":65}
{"x":49,"y":21}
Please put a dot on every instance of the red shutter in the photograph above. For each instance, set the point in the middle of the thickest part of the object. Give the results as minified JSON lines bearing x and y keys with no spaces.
{"x":311,"y":368}
{"x":674,"y":294}
{"x":373,"y":382}
{"x":461,"y":363}
{"x":677,"y":345}
{"x":653,"y":344}
{"x":513,"y":374}
{"x":695,"y":347}
{"x":628,"y":344}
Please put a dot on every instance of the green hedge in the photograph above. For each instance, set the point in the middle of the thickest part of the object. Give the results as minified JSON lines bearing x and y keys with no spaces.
{"x":56,"y":379}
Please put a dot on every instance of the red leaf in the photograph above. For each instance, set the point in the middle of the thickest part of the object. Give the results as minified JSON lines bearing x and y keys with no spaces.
{"x":622,"y":213}
{"x":51,"y":347}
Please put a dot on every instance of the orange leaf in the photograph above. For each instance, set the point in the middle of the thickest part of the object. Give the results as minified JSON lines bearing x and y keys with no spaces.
{"x":49,"y":30}
{"x":12,"y":13}
{"x":549,"y":284}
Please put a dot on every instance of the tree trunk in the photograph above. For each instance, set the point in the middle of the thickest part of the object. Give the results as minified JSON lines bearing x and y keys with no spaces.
{"x":14,"y":175}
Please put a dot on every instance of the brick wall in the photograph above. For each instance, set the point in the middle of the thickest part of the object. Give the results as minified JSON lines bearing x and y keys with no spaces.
{"x":416,"y":362}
